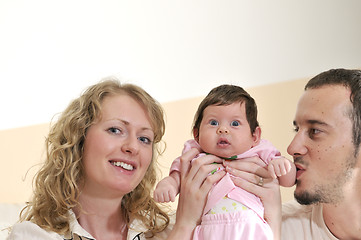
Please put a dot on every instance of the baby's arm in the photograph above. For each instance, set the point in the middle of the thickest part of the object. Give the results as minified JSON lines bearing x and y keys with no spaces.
{"x":284,"y":170}
{"x":167,"y":188}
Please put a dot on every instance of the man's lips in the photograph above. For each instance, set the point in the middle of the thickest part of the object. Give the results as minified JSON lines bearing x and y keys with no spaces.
{"x":300,"y":170}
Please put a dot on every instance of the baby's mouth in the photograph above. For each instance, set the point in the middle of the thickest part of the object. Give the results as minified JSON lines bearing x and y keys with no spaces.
{"x":223,"y":142}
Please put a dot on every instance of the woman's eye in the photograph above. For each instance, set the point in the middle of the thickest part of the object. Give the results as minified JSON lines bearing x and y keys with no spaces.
{"x":145,"y":140}
{"x":114,"y":130}
{"x":235,"y":123}
{"x":213,"y":123}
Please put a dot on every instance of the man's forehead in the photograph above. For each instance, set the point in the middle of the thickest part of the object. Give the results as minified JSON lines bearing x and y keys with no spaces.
{"x":323,"y":104}
{"x":326,"y":94}
{"x":338,"y":88}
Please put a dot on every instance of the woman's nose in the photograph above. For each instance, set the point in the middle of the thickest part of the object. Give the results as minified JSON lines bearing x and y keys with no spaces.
{"x":130,"y":145}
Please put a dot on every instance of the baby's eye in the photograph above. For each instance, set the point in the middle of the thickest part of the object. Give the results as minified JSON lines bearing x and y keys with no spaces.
{"x":114,"y":130}
{"x":213,"y":123}
{"x":145,"y":140}
{"x":235,"y":123}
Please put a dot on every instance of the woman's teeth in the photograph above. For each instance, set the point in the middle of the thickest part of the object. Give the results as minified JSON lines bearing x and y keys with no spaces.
{"x":123,"y":165}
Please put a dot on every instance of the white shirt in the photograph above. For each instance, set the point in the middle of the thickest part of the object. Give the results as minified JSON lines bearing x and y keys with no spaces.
{"x":304,"y":222}
{"x":30,"y":231}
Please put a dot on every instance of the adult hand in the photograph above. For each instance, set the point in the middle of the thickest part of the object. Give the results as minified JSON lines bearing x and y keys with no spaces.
{"x":252,"y":175}
{"x":196,"y":182}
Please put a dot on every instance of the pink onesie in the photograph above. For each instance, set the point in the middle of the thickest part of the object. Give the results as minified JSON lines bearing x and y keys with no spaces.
{"x":243,"y":224}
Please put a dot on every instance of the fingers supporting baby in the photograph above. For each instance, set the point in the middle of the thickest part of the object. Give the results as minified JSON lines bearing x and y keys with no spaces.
{"x":201,"y":163}
{"x":249,"y":174}
{"x":251,"y":169}
{"x":196,"y":182}
{"x":195,"y":178}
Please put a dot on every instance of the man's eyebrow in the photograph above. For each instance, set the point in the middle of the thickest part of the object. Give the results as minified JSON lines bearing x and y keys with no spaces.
{"x":312,"y":122}
{"x":317,"y":122}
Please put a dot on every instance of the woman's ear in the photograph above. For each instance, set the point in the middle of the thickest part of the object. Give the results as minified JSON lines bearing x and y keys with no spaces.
{"x":196,"y":134}
{"x":256,"y":136}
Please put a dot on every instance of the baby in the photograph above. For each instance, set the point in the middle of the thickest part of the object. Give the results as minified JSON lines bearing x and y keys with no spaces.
{"x":226,"y":125}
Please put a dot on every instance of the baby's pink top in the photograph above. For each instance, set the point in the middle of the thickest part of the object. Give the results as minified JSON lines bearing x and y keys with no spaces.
{"x":225,"y":187}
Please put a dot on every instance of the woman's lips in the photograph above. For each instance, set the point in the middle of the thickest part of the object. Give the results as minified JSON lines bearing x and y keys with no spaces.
{"x":123,"y":165}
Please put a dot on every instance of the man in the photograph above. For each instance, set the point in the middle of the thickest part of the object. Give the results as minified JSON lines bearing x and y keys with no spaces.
{"x":326,"y":151}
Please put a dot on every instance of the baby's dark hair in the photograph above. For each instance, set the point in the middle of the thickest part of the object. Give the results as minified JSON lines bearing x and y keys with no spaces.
{"x":225,"y":95}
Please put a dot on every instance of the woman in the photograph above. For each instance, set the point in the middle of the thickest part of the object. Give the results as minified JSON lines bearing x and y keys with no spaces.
{"x":99,"y":171}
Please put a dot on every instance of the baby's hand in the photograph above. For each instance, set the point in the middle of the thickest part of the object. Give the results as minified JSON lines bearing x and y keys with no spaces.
{"x":166,"y":190}
{"x":279,"y":167}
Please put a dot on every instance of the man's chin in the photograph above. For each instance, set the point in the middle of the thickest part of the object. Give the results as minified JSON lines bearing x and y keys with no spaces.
{"x":306,"y":198}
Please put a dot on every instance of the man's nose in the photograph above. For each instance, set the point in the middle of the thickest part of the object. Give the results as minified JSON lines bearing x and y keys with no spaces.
{"x":297,"y":146}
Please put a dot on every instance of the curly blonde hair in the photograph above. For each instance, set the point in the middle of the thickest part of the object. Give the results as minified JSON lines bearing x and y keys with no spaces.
{"x":57,"y":183}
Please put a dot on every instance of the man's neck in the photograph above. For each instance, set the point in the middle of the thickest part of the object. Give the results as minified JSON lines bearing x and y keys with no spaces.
{"x":343,"y":219}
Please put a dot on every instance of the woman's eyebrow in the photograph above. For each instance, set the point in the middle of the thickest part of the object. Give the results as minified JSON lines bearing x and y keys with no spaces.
{"x":128,"y":123}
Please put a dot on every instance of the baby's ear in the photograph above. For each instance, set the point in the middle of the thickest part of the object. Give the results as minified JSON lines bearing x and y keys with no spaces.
{"x":196,"y":134}
{"x":256,"y":136}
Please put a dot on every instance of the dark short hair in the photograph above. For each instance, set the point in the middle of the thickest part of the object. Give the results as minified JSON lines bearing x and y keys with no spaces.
{"x":351,"y":79}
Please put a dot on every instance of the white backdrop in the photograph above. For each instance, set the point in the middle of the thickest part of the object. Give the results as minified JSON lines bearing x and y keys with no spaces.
{"x":51,"y":50}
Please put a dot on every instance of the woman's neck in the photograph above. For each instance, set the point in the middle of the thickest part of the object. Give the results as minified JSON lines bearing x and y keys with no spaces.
{"x":101,"y":217}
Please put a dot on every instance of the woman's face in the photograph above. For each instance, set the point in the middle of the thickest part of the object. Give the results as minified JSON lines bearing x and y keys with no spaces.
{"x":118,"y":148}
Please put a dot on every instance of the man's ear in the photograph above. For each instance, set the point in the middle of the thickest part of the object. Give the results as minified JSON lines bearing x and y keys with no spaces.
{"x":256,"y":135}
{"x":196,"y":134}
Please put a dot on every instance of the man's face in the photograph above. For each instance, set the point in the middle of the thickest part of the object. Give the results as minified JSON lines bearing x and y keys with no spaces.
{"x":322,"y":148}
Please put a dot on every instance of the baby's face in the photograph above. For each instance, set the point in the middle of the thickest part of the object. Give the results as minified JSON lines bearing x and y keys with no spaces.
{"x":224,"y":130}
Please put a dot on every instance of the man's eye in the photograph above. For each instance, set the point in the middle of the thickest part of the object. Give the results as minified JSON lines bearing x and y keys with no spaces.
{"x":235,"y":123}
{"x":313,"y":132}
{"x":213,"y":123}
{"x":145,"y":140}
{"x":295,"y":129}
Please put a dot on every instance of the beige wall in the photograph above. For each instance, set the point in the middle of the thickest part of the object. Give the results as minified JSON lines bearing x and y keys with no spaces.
{"x":22,"y":149}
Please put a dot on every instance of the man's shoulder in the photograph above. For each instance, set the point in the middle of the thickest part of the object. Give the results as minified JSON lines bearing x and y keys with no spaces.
{"x":293,"y":208}
{"x":296,"y":221}
{"x":296,"y":214}
{"x":301,"y":222}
